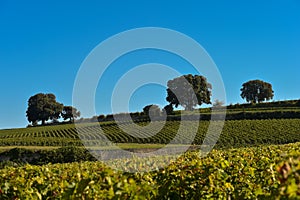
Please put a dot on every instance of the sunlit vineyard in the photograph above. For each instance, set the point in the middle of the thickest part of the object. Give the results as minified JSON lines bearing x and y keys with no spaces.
{"x":236,"y":133}
{"x":267,"y":172}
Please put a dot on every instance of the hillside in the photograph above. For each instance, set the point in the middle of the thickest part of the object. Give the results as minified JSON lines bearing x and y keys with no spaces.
{"x":246,"y":125}
{"x":235,"y":133}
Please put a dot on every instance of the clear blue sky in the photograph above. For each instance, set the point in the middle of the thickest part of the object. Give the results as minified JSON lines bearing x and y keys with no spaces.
{"x":43,"y":43}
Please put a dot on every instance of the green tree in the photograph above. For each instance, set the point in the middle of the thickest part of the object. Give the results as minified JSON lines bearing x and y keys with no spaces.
{"x":189,"y":91}
{"x":256,"y":91}
{"x":42,"y":107}
{"x":152,"y":110}
{"x":70,"y":112}
{"x":168,"y":109}
{"x":218,"y":104}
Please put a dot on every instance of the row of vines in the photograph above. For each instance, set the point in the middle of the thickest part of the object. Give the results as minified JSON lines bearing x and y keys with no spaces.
{"x":235,"y":133}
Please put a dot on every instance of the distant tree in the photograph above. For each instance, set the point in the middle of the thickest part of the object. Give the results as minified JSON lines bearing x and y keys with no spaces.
{"x":94,"y":119}
{"x":217,"y":103}
{"x":70,"y":112}
{"x":256,"y":91}
{"x":101,"y":118}
{"x":168,"y":109}
{"x":152,"y":110}
{"x":42,"y":107}
{"x":189,"y":91}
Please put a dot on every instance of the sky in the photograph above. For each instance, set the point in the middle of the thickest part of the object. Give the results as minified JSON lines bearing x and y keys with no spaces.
{"x":43,"y":44}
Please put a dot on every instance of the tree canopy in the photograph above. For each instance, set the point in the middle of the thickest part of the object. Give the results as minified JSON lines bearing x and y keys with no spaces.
{"x":168,"y":109}
{"x":189,"y":91}
{"x":42,"y":107}
{"x":70,"y":112}
{"x":218,"y":104}
{"x":256,"y":91}
{"x":152,"y":110}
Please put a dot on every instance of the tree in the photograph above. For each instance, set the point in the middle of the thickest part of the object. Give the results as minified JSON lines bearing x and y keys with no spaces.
{"x":256,"y":91}
{"x":152,"y":110}
{"x":70,"y":112}
{"x":168,"y":109}
{"x":218,"y":104}
{"x":42,"y":107}
{"x":189,"y":91}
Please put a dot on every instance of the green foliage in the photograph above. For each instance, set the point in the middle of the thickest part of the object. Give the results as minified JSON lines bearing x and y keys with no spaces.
{"x":58,"y":135}
{"x":152,"y":110}
{"x":235,"y":133}
{"x":270,"y":172}
{"x":42,"y":107}
{"x":289,"y":177}
{"x":70,"y":112}
{"x":259,"y":114}
{"x":281,"y":109}
{"x":274,"y":105}
{"x":217,"y":103}
{"x":257,"y":91}
{"x":188,"y":91}
{"x":19,"y":156}
{"x":169,"y":109}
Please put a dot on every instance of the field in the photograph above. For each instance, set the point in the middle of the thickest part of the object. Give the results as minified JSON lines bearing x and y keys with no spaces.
{"x":268,"y":172}
{"x":236,"y":133}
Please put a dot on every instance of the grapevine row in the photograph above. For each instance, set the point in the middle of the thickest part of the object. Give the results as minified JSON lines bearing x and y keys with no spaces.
{"x":235,"y":133}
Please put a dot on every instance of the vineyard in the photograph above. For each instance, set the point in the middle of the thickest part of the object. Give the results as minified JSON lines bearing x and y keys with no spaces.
{"x":236,"y":133}
{"x":242,"y":166}
{"x":268,"y":172}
